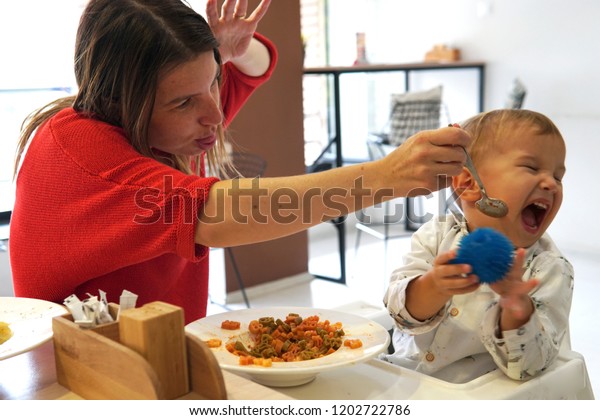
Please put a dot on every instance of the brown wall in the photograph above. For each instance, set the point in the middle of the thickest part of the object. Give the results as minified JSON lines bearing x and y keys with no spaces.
{"x":271,"y":125}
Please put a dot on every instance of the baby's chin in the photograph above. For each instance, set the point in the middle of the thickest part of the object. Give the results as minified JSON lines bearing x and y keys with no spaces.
{"x":525,"y":240}
{"x":525,"y":244}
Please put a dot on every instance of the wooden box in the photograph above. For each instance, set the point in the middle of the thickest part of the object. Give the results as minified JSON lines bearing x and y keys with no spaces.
{"x":442,"y":53}
{"x":144,"y":355}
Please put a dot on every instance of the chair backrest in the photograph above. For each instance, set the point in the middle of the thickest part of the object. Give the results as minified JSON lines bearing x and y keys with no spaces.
{"x":408,"y":118}
{"x":245,"y":165}
{"x":516,"y":95}
{"x":412,"y":112}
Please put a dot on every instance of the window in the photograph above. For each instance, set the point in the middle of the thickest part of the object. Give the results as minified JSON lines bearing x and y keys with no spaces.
{"x":15,"y":106}
{"x":37,"y":45}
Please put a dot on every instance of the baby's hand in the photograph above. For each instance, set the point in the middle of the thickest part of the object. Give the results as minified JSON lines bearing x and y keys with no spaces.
{"x":514,"y":292}
{"x":451,"y":279}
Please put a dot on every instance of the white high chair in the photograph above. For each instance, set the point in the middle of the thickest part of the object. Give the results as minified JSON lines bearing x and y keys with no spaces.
{"x":567,"y":378}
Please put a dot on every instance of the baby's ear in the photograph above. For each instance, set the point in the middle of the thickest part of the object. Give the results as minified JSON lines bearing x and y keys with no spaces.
{"x":465,"y":186}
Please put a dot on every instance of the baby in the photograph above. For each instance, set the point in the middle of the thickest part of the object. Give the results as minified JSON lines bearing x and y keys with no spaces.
{"x":450,"y":325}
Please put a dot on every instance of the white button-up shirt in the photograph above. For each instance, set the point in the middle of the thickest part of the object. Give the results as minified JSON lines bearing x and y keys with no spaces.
{"x":461,"y":341}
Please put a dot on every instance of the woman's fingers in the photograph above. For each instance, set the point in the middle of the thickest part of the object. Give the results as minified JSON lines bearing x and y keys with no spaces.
{"x":260,"y":10}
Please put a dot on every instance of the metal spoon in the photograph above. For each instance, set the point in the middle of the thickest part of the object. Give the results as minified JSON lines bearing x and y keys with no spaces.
{"x":492,"y":207}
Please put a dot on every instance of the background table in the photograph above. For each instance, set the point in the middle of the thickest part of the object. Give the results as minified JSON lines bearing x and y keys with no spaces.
{"x":334,"y":73}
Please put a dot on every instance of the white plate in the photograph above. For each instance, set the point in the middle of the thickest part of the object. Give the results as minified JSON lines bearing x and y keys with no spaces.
{"x":30,"y":321}
{"x":374,"y":337}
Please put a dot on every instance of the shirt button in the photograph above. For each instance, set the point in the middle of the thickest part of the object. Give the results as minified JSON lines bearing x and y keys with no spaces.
{"x":454,"y":311}
{"x":429,"y":357}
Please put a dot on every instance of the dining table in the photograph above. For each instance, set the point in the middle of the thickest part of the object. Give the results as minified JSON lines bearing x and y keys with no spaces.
{"x":32,"y":376}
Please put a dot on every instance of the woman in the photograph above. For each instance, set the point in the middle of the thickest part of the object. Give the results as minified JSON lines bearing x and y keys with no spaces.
{"x":112,"y":193}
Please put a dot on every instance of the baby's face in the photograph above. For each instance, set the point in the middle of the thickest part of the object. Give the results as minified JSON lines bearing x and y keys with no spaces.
{"x":526,"y":172}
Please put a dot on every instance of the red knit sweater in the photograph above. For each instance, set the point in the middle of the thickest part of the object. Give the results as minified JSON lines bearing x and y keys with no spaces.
{"x":92,"y":213}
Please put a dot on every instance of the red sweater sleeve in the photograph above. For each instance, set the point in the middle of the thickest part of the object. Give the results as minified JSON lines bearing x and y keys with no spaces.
{"x":237,"y":86}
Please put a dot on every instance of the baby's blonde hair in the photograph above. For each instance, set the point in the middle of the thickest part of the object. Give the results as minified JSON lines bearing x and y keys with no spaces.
{"x":489,"y":129}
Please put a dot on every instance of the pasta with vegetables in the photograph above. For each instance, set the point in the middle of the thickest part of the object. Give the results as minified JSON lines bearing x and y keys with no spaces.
{"x":290,"y":340}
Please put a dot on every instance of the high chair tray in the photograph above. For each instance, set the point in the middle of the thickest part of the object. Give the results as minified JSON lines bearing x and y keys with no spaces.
{"x":380,"y":380}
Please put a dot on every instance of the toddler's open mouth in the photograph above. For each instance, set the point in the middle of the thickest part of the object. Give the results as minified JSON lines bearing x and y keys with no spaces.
{"x":533,"y":215}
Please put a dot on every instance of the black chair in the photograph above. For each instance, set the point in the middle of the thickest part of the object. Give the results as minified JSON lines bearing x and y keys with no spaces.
{"x":516,"y":95}
{"x":410,"y":117}
{"x":243,"y":165}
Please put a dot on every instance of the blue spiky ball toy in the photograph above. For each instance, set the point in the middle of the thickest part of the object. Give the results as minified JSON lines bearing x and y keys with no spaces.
{"x":488,"y":252}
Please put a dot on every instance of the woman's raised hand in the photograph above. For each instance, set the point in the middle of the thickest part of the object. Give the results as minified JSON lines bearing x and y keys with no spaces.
{"x":233,"y":26}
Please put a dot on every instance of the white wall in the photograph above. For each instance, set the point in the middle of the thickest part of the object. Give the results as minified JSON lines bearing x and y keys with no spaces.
{"x":551,"y":45}
{"x":37,"y":40}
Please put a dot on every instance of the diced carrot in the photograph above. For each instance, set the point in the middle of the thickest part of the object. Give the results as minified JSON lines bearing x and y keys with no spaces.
{"x":246,"y":360}
{"x":353,"y":343}
{"x":230,"y":325}
{"x":214,"y":343}
{"x":260,"y":361}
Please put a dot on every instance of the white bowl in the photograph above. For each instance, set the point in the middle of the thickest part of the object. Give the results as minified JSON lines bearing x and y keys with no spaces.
{"x":30,"y":320}
{"x":374,"y":337}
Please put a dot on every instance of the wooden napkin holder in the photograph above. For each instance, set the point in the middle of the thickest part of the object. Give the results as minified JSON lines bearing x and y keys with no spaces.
{"x":146,"y":354}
